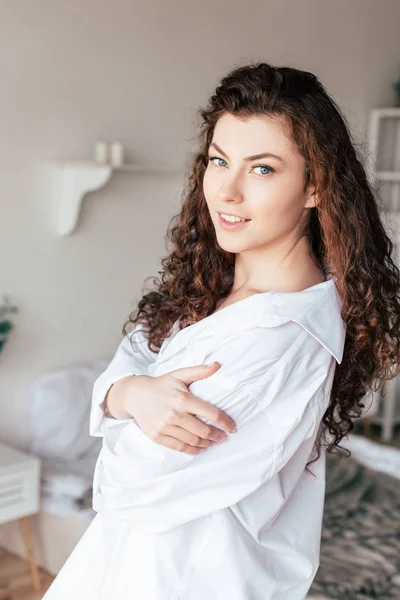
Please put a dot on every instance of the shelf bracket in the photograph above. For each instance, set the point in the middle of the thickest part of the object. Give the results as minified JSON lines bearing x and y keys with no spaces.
{"x":74,"y":181}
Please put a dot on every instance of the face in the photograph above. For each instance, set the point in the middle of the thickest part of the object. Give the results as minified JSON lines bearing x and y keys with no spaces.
{"x":267,"y":191}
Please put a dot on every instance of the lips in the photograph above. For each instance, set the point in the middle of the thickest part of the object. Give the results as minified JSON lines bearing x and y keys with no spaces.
{"x":232,"y":226}
{"x":230,"y":215}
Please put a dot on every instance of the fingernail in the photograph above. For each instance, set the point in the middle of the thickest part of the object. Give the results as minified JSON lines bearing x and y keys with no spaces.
{"x":234,"y":429}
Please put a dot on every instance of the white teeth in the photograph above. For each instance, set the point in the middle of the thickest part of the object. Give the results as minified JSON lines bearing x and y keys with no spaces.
{"x":231,"y":218}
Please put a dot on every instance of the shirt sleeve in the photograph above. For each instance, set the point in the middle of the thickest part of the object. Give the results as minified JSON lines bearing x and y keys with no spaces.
{"x":271,"y":386}
{"x":132,"y":357}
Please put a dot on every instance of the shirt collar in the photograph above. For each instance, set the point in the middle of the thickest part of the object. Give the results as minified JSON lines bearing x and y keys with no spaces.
{"x":317,"y":309}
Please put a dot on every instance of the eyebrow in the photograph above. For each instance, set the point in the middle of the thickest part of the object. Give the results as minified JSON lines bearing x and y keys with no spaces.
{"x":249,"y":158}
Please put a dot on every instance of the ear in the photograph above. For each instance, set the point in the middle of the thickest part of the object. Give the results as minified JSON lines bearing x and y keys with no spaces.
{"x":310,"y":197}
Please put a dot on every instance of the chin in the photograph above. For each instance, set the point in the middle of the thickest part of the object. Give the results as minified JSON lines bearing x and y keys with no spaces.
{"x":233,"y":246}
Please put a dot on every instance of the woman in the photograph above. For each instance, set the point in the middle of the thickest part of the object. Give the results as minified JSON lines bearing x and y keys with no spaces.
{"x":278,"y":310}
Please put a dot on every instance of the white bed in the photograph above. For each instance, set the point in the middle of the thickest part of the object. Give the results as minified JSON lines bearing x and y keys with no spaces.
{"x":58,"y":413}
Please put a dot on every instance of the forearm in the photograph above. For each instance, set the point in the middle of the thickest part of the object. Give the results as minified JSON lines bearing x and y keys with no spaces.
{"x":132,"y":358}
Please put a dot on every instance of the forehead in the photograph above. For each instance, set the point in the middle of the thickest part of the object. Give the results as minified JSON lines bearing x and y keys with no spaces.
{"x":243,"y":136}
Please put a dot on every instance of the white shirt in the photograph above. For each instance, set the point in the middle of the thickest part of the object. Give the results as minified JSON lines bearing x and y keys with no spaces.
{"x":242,"y":520}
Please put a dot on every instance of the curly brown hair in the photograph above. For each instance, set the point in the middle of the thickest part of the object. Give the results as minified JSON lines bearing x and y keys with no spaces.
{"x":344,"y":230}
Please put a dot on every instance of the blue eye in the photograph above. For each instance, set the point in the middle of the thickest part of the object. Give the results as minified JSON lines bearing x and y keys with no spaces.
{"x":270,"y":169}
{"x":212,"y":158}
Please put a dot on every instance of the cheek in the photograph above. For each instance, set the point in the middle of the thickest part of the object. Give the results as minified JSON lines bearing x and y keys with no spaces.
{"x":277,"y":207}
{"x":207,"y":187}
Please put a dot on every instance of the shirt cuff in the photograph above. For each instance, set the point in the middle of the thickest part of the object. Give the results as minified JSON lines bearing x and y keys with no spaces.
{"x":99,"y":422}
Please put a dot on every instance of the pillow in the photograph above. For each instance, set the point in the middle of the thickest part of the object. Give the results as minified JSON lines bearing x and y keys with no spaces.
{"x":59,"y":404}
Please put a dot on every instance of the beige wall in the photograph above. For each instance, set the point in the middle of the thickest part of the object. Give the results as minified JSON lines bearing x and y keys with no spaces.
{"x":78,"y":71}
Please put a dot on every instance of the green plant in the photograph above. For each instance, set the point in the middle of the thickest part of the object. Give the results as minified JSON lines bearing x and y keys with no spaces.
{"x":5,"y":324}
{"x":396,"y":87}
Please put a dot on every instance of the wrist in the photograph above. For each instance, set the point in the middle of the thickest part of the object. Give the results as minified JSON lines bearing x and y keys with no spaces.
{"x":115,"y":399}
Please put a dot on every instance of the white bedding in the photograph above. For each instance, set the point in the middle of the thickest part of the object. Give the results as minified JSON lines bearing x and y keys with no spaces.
{"x":373,"y":454}
{"x":59,"y":405}
{"x":63,"y":487}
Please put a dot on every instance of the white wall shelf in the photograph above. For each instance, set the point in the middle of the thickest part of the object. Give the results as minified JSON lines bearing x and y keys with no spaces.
{"x":387,"y":395}
{"x":374,"y":138}
{"x":74,"y":179}
{"x":388,"y":176}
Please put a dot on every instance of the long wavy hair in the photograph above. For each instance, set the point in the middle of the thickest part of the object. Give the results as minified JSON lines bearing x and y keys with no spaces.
{"x":345,"y":231}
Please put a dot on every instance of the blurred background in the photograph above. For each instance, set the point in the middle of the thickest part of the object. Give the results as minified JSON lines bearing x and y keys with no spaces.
{"x":78,"y":238}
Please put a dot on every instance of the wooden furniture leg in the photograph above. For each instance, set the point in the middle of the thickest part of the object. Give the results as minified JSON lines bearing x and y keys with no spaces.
{"x":367,"y":427}
{"x":26,"y":534}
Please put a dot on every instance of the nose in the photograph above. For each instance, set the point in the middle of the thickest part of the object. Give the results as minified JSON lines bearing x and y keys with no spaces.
{"x":230,"y":192}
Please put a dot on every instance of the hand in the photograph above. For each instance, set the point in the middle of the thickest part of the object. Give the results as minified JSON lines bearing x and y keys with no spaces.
{"x":166,"y":411}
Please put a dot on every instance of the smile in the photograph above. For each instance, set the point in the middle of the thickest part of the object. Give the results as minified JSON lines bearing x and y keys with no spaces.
{"x":232,"y":224}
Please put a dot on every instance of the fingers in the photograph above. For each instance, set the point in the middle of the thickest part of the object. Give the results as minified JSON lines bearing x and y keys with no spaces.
{"x":189,"y":374}
{"x":197,"y":406}
{"x":174,"y":444}
{"x":182,"y":434}
{"x":182,"y":430}
{"x":196,"y":429}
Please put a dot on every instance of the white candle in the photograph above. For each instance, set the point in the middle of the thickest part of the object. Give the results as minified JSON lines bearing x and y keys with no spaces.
{"x":117,"y":154}
{"x":101,"y":153}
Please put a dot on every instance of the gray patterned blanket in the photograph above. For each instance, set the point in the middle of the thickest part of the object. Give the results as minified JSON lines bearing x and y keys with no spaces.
{"x":360,"y":546}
